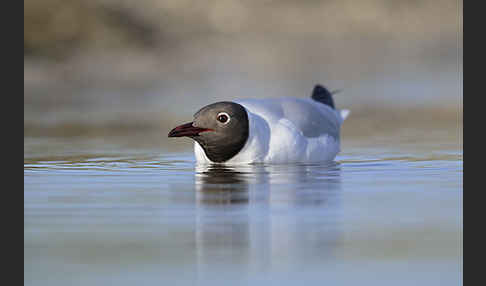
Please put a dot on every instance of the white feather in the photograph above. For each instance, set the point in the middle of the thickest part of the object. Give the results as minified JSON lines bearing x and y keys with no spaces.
{"x":345,"y":113}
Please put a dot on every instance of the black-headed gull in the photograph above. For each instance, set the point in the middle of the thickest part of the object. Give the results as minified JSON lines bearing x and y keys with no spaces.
{"x":273,"y":130}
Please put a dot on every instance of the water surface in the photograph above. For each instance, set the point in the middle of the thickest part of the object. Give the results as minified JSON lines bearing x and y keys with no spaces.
{"x":374,"y":216}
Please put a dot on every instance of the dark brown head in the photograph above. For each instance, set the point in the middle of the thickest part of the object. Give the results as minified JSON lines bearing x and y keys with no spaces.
{"x":220,"y":128}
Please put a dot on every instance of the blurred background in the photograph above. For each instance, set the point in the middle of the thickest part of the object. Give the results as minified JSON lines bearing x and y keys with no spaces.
{"x":120,"y":69}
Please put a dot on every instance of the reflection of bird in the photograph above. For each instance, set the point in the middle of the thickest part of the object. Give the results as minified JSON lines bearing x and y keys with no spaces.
{"x":276,"y":130}
{"x":256,"y":214}
{"x":293,"y":184}
{"x":221,"y":185}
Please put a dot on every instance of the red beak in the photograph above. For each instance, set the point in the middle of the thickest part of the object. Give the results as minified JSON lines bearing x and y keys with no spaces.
{"x":187,"y":130}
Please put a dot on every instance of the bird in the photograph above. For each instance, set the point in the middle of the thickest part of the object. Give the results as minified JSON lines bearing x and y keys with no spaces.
{"x":275,"y":130}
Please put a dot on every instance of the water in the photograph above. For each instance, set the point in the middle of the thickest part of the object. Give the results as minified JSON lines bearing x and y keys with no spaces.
{"x":386,"y":214}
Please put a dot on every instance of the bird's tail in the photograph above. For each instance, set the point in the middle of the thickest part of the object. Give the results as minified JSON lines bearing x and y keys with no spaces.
{"x":344,"y":113}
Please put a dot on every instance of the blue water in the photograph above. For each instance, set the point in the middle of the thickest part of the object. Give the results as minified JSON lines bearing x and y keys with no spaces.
{"x":373,"y":218}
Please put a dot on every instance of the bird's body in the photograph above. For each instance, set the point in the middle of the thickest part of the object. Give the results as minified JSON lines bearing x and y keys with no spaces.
{"x":279,"y":130}
{"x":287,"y":130}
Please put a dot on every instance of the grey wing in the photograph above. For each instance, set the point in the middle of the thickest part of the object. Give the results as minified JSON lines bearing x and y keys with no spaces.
{"x":313,"y":119}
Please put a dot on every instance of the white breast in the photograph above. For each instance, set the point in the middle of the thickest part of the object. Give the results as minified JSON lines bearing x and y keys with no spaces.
{"x":287,"y":130}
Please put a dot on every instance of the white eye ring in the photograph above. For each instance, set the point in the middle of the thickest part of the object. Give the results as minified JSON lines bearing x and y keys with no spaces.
{"x":223,"y":114}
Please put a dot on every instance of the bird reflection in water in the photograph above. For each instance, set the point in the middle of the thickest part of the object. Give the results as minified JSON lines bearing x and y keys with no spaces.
{"x":220,"y":185}
{"x":252,"y":216}
{"x":293,"y":184}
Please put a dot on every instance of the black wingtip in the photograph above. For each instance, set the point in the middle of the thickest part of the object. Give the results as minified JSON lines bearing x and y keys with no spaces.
{"x":321,"y":94}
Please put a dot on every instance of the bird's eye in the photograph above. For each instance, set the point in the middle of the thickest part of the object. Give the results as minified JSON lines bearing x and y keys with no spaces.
{"x":223,"y":117}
